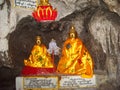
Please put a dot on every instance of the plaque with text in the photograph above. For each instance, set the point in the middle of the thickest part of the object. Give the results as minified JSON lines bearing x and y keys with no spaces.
{"x":54,"y":82}
{"x":77,"y":82}
{"x":40,"y":83}
{"x":26,"y":3}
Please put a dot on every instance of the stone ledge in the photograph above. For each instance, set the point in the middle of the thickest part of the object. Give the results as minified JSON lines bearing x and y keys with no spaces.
{"x":55,"y":82}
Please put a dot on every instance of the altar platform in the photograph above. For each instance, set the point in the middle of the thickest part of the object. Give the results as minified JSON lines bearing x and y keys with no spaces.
{"x":55,"y":82}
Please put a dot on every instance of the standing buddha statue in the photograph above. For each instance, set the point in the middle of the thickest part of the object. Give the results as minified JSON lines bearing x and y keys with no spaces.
{"x":75,"y":58}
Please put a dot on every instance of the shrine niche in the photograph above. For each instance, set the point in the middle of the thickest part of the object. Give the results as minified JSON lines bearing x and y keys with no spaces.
{"x":41,"y":66}
{"x":43,"y":62}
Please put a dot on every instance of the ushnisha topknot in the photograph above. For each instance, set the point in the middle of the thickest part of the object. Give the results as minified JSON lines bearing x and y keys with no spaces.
{"x":72,"y":29}
{"x":73,"y":32}
{"x":38,"y":37}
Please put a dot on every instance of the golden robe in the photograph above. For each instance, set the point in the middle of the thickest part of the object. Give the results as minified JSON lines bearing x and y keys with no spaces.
{"x":39,"y":58}
{"x":75,"y":59}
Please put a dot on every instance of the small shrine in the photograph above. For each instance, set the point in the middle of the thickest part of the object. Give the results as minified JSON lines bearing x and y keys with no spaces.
{"x":75,"y":65}
{"x":44,"y":12}
{"x":74,"y":69}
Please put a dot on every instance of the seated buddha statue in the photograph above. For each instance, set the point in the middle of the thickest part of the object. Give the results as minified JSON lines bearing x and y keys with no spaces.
{"x":39,"y":59}
{"x":75,"y":58}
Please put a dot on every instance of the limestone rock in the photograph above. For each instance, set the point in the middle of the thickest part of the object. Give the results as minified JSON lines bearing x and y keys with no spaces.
{"x":106,"y":31}
{"x":104,"y":26}
{"x":5,"y":28}
{"x":107,"y":86}
{"x":113,"y":5}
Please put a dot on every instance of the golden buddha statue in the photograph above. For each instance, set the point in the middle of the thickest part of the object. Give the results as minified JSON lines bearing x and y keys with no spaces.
{"x":39,"y":56}
{"x":75,"y":57}
{"x":44,"y":3}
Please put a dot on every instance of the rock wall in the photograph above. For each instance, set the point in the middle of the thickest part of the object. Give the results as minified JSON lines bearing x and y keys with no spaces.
{"x":97,"y":23}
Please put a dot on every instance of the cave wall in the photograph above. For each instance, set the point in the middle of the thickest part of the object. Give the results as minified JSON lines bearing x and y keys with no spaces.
{"x":96,"y":21}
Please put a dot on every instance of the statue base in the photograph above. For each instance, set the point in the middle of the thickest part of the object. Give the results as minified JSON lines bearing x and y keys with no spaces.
{"x":54,"y":82}
{"x":28,"y":71}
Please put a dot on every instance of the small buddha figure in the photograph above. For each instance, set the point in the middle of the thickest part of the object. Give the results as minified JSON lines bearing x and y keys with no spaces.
{"x":53,"y":48}
{"x":44,"y":3}
{"x":39,"y":56}
{"x":75,"y":57}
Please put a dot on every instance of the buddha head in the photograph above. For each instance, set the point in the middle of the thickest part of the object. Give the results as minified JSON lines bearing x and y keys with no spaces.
{"x":38,"y":40}
{"x":72,"y":33}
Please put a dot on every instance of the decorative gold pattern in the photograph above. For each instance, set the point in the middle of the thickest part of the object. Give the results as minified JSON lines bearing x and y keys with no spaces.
{"x":46,"y":11}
